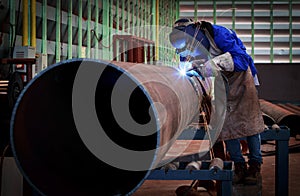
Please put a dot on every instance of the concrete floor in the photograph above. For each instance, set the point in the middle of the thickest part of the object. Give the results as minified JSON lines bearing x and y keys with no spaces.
{"x":267,"y":188}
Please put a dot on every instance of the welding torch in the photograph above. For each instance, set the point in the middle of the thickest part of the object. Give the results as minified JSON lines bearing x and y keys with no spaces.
{"x":195,"y":68}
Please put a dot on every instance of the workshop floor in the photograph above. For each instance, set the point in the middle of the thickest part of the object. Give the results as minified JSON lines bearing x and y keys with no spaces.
{"x":168,"y":187}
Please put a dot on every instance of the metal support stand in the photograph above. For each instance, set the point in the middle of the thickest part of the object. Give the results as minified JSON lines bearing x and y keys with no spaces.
{"x":281,"y":138}
{"x":224,"y":176}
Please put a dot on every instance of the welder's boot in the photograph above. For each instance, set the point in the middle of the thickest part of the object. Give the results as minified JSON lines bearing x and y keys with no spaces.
{"x":253,"y":175}
{"x":240,"y":169}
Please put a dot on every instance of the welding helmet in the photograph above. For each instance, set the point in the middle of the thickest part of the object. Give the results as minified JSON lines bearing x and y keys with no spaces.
{"x":178,"y":36}
{"x":188,"y":38}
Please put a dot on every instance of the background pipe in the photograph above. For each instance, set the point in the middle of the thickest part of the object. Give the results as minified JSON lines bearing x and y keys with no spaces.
{"x":12,"y":20}
{"x":33,"y":23}
{"x":281,"y":115}
{"x":44,"y":27}
{"x":79,"y":33}
{"x":70,"y":30}
{"x":290,"y":107}
{"x":49,"y":148}
{"x":58,"y":31}
{"x":295,"y":107}
{"x":25,"y":23}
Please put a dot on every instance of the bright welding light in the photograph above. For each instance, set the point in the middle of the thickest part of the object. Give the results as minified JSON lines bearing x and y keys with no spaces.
{"x":182,"y":72}
{"x":183,"y":67}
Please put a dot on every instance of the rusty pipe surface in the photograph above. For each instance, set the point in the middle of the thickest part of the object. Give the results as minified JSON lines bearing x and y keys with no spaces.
{"x":294,"y":107}
{"x":281,"y":115}
{"x":91,"y":127}
{"x":275,"y":111}
{"x":290,"y":108}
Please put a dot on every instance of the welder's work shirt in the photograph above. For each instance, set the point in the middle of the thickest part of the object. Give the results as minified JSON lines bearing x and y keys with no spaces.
{"x":243,"y":115}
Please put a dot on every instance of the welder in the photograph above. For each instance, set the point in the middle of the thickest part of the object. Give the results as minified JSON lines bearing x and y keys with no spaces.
{"x":210,"y":49}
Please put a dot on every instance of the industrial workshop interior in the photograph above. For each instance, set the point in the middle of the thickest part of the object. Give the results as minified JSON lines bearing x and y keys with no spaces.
{"x":149,"y":97}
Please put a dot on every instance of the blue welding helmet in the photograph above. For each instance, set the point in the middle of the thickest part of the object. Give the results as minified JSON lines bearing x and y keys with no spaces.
{"x":178,"y":36}
{"x":182,"y":38}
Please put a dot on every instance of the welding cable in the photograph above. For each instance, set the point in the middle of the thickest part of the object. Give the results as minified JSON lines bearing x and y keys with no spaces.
{"x":190,"y":187}
{"x":209,"y":136}
{"x":205,"y":110}
{"x":204,"y":107}
{"x":99,"y":39}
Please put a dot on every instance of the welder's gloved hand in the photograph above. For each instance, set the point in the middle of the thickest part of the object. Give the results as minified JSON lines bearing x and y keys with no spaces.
{"x":207,"y":69}
{"x":224,"y":61}
{"x":211,"y":67}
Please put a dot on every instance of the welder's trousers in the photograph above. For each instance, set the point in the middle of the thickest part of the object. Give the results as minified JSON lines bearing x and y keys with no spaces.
{"x":233,"y":147}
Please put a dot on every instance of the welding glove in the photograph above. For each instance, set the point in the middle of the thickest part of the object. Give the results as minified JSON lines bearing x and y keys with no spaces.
{"x":210,"y":68}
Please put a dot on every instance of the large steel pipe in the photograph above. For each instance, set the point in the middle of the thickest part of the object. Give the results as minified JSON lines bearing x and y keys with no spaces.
{"x":90,"y":127}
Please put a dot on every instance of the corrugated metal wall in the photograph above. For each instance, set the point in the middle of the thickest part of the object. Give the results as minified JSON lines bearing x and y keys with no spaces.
{"x":269,"y":29}
{"x":84,"y":28}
